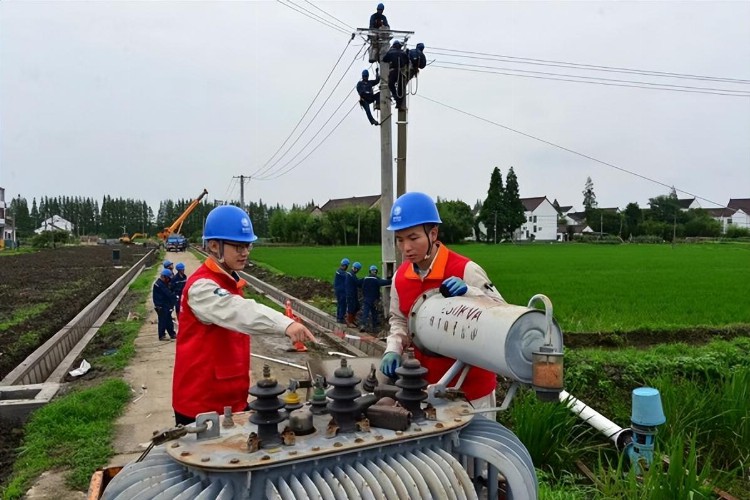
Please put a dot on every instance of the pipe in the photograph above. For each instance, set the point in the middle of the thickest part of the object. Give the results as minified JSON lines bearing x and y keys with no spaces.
{"x":286,"y":363}
{"x":611,"y":430}
{"x":547,"y":314}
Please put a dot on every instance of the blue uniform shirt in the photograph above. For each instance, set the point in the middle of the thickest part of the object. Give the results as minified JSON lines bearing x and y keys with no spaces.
{"x":371,"y":287}
{"x":163,"y":295}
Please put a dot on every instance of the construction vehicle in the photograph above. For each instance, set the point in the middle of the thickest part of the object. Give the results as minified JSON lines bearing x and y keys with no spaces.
{"x":128,"y":240}
{"x":176,"y":226}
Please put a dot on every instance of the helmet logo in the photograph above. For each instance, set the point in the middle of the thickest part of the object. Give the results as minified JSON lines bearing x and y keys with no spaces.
{"x":396,"y":214}
{"x":245,"y":225}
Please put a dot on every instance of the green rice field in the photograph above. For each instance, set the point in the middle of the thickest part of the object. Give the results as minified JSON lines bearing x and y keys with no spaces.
{"x":594,"y":288}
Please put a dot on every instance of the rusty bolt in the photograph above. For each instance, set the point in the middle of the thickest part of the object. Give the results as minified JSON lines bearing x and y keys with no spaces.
{"x":205,"y":459}
{"x":359,"y":440}
{"x":265,"y":457}
{"x":293,"y":452}
{"x":379,"y":438}
{"x":175,"y":445}
{"x":185,"y":454}
{"x":439,"y":425}
{"x":234,"y":461}
{"x":316,"y":448}
{"x":337,"y":444}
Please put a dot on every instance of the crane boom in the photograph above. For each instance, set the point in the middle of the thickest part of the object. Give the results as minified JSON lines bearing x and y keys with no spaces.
{"x":177,"y":224}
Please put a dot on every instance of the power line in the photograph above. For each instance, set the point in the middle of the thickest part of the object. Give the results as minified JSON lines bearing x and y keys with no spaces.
{"x":349,"y":27}
{"x":583,"y":155}
{"x":316,"y":147}
{"x":299,"y":136}
{"x":313,"y":16}
{"x":306,"y":111}
{"x":594,"y":67}
{"x":270,"y":175}
{"x":639,"y":85}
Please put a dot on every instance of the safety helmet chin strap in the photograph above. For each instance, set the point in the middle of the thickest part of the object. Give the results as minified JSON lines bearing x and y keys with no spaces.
{"x":429,"y":246}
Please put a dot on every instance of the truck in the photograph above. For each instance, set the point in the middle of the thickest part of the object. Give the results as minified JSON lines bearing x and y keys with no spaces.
{"x":176,"y":243}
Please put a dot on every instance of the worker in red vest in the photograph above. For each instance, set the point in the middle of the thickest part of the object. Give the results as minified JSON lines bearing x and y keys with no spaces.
{"x":428,"y":264}
{"x":212,"y":359}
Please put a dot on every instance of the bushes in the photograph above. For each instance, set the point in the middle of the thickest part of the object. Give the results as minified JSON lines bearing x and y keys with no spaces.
{"x":737,"y":232}
{"x":51,"y":239}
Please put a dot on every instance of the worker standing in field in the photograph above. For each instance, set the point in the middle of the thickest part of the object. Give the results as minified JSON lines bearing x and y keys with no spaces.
{"x":428,"y":264}
{"x":178,"y":284}
{"x":212,"y":359}
{"x":371,"y":298}
{"x":164,"y":301}
{"x":339,"y":289}
{"x":353,"y":284}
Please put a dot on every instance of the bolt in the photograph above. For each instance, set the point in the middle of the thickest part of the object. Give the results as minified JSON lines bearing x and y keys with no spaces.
{"x":457,"y":419}
{"x":399,"y":433}
{"x":359,"y":440}
{"x":265,"y":457}
{"x":175,"y":445}
{"x":417,"y":429}
{"x":234,"y":461}
{"x":185,"y":454}
{"x":292,"y":453}
{"x":205,"y":459}
{"x":316,"y":448}
{"x":439,"y":425}
{"x":337,"y":445}
{"x":379,"y":438}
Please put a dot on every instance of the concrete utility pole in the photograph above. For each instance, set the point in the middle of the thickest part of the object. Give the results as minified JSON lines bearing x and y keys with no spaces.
{"x":243,"y":179}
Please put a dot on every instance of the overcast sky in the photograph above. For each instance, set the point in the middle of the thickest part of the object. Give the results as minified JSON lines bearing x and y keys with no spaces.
{"x":157,"y":100}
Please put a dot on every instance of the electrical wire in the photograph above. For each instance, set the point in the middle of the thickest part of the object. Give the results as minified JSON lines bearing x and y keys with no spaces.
{"x":312,"y":16}
{"x":583,"y":155}
{"x":348,"y":26}
{"x":596,"y":78}
{"x":267,"y":170}
{"x":643,"y":85}
{"x":258,"y":170}
{"x":316,"y":147}
{"x":593,"y":67}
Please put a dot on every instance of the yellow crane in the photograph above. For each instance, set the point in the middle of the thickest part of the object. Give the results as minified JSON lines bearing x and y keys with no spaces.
{"x":176,"y":226}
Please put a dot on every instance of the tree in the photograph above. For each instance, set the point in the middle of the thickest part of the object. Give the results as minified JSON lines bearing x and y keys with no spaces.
{"x":589,"y":198}
{"x":633,"y":219}
{"x":457,"y":221}
{"x":515,"y":212}
{"x":492,"y":213}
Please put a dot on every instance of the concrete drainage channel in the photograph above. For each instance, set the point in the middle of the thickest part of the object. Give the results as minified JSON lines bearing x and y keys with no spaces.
{"x":35,"y":381}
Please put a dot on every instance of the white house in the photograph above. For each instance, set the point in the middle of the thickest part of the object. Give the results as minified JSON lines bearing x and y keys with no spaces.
{"x":686,"y":204}
{"x":723,"y":215}
{"x":55,"y":223}
{"x":541,"y":220}
{"x":741,"y":216}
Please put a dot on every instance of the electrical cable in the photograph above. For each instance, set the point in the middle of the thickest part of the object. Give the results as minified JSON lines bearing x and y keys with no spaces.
{"x":740,"y":92}
{"x":583,"y":155}
{"x":267,"y":170}
{"x":316,"y":147}
{"x":594,"y":67}
{"x":727,"y":93}
{"x":306,"y":111}
{"x":318,"y":18}
{"x":348,"y":26}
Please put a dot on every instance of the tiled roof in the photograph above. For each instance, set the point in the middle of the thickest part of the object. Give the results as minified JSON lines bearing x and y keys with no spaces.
{"x":354,"y":201}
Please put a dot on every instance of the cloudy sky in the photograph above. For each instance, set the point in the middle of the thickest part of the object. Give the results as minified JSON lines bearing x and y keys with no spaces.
{"x":156,"y":100}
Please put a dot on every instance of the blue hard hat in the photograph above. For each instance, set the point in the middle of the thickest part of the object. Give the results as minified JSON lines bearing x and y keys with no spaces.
{"x":373,"y":267}
{"x":345,"y":262}
{"x":180,"y":266}
{"x":365,"y":73}
{"x":167,"y":263}
{"x":166,"y":272}
{"x":413,"y":209}
{"x":228,"y":222}
{"x":420,"y":46}
{"x":356,"y":265}
{"x":380,"y":7}
{"x":396,"y":43}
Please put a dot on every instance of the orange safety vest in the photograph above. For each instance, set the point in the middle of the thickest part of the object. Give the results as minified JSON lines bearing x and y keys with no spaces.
{"x":212,"y":363}
{"x":409,"y":287}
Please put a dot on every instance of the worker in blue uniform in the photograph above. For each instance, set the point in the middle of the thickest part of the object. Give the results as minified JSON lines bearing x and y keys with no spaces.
{"x":339,"y":289}
{"x":378,"y":20}
{"x":353,"y":284}
{"x":399,"y":66}
{"x":366,"y":95}
{"x":371,"y":297}
{"x":164,"y":301}
{"x":178,"y":284}
{"x":417,"y":60}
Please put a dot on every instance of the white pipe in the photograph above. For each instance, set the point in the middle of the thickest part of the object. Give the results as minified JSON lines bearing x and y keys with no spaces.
{"x":593,"y":417}
{"x":279,"y":361}
{"x":547,"y":314}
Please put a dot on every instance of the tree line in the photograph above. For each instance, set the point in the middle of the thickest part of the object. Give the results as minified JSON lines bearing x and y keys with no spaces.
{"x":492,"y":220}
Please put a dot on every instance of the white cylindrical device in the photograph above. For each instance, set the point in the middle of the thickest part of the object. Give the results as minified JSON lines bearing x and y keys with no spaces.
{"x":496,"y":336}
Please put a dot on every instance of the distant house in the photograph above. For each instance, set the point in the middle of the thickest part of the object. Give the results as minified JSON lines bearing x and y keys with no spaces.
{"x":741,"y":216}
{"x":723,"y":215}
{"x":55,"y":223}
{"x":688,"y":204}
{"x":367,"y":202}
{"x":7,"y":227}
{"x":541,"y":220}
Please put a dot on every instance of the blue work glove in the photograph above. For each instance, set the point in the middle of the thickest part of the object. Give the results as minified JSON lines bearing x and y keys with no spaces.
{"x":453,"y":287}
{"x":390,"y":362}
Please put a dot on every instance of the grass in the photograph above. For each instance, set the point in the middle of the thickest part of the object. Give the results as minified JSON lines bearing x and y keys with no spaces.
{"x":72,"y":432}
{"x":21,"y":314}
{"x":594,"y":288}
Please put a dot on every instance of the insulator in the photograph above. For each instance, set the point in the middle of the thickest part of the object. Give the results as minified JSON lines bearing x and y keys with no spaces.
{"x":343,"y":409}
{"x":266,"y":409}
{"x":412,"y":383}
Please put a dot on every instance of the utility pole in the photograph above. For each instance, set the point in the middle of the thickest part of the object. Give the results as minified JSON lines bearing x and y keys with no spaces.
{"x":243,"y":179}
